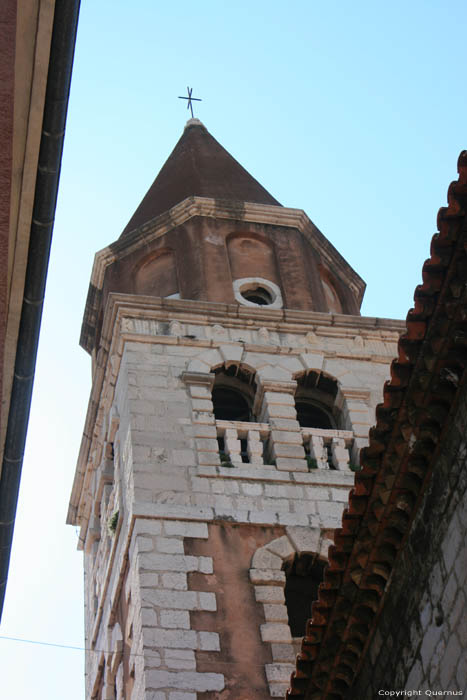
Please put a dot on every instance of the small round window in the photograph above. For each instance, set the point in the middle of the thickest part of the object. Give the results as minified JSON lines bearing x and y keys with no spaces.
{"x":257,"y":295}
{"x":256,"y":291}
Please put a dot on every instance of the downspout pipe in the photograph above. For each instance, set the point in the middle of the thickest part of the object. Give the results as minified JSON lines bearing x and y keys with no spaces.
{"x":45,"y":198}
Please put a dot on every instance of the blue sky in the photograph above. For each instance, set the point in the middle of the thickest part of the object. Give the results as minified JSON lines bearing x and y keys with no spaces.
{"x":352,"y":111}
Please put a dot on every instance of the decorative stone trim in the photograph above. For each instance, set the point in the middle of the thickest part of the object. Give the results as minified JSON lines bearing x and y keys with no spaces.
{"x":268,"y":577}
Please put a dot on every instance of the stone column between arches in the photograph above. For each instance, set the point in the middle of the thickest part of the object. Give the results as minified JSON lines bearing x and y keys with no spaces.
{"x":275,"y":404}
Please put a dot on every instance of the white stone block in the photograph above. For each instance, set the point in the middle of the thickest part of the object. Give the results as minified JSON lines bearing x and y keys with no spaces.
{"x":252,"y":489}
{"x":198,"y":391}
{"x":291,"y":465}
{"x":209,"y":641}
{"x":144,"y":544}
{"x":277,"y":673}
{"x":185,"y":680}
{"x":182,"y":696}
{"x":207,"y":444}
{"x":278,"y":690}
{"x":329,"y":510}
{"x":175,"y":639}
{"x":180,"y":659}
{"x":207,"y":601}
{"x":202,"y":405}
{"x":182,"y":600}
{"x":283,"y":652}
{"x":175,"y":619}
{"x":312,"y":360}
{"x":205,"y":565}
{"x":274,"y":398}
{"x":169,"y":545}
{"x":148,"y":617}
{"x":275,"y":632}
{"x":267,"y":576}
{"x":231,"y":352}
{"x":287,"y":437}
{"x":263,"y":517}
{"x":270,"y":594}
{"x":291,"y":451}
{"x":186,"y":529}
{"x":145,"y":526}
{"x":275,"y":613}
{"x":169,"y":562}
{"x":264,"y":559}
{"x":184,"y":458}
{"x":175,"y":581}
{"x":305,"y":539}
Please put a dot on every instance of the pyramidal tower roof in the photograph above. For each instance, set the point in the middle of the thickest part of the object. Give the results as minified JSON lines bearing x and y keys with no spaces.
{"x":198,"y":167}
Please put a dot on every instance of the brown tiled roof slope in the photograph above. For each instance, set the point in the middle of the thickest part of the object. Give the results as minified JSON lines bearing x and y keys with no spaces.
{"x":396,"y":466}
{"x":198,"y":167}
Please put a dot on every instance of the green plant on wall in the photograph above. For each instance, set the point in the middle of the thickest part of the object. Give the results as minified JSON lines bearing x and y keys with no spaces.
{"x":225,"y":460}
{"x":113,"y":522}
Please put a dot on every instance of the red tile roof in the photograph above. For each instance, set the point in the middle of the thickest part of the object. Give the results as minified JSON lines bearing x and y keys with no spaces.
{"x":396,"y":466}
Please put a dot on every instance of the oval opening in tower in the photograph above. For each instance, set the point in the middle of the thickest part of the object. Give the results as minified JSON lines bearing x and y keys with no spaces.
{"x":257,"y":295}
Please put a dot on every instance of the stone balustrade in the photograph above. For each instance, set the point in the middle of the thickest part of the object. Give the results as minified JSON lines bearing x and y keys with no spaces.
{"x":330,"y":449}
{"x":241,"y":442}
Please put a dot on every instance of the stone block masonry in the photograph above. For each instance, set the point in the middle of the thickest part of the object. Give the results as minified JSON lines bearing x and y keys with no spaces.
{"x":193,"y":574}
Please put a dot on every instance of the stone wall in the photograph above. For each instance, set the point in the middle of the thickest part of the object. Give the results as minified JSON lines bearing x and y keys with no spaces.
{"x":159,"y":509}
{"x":421,"y":639}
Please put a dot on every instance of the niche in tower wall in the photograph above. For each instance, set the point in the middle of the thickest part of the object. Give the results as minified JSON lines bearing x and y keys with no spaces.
{"x":157,"y":275}
{"x":303,"y":574}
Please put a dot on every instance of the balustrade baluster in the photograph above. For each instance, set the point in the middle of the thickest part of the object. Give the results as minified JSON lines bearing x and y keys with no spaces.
{"x":340,"y":454}
{"x":255,"y":447}
{"x":233,"y":446}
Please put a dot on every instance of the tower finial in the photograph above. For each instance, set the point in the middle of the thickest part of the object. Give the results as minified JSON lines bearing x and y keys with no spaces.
{"x":190,"y":100}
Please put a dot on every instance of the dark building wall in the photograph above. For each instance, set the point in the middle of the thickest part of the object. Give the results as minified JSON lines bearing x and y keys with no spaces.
{"x":421,"y":639}
{"x":7,"y":75}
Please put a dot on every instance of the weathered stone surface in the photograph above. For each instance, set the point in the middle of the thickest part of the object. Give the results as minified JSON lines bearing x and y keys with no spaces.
{"x":275,"y":632}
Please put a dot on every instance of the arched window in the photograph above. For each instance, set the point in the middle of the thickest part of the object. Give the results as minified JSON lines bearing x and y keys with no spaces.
{"x":315,"y":401}
{"x":233,"y":393}
{"x":303,"y":574}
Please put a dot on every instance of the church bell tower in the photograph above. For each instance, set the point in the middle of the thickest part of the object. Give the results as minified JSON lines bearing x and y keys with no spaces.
{"x":234,"y":383}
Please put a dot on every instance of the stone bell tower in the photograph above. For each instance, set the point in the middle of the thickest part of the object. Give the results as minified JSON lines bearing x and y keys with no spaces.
{"x":234,"y":382}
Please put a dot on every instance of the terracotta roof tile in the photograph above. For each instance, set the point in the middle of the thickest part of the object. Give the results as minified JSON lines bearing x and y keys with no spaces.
{"x":396,"y":465}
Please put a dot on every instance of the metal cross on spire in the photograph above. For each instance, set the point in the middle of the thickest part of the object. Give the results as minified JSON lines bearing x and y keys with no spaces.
{"x":190,"y":100}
